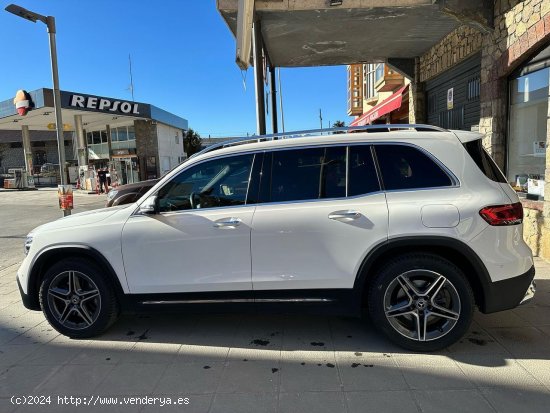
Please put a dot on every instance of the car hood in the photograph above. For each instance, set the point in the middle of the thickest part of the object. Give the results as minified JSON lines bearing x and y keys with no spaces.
{"x":137,"y":185}
{"x":82,"y":218}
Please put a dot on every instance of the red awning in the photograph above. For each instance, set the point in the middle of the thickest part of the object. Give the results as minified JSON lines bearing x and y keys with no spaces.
{"x":386,"y":106}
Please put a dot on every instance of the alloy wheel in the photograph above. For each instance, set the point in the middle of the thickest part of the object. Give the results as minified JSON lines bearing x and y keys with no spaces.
{"x":74,"y":300}
{"x":422,"y":305}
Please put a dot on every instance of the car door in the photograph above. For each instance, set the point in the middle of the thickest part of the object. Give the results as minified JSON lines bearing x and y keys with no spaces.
{"x":200,"y":238}
{"x":314,"y":225}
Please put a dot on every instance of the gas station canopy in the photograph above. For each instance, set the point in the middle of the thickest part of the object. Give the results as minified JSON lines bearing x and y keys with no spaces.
{"x":96,"y":111}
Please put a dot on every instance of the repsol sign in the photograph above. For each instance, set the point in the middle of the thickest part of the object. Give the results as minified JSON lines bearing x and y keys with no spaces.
{"x":104,"y":104}
{"x":99,"y":104}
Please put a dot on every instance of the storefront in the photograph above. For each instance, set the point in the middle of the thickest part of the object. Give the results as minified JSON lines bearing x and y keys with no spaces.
{"x":528,"y":132}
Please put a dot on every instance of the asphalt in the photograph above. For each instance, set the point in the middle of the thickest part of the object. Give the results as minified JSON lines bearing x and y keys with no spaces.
{"x":257,"y":363}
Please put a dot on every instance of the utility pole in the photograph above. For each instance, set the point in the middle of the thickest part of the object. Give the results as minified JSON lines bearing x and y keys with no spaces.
{"x":321,"y":118}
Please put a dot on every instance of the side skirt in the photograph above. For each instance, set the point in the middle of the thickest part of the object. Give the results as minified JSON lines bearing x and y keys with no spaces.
{"x":324,"y":301}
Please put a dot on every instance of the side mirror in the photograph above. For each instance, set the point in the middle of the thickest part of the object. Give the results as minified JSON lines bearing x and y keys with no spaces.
{"x":149,"y":206}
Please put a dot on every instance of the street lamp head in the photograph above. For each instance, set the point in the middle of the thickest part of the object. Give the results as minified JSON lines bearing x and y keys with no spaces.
{"x":26,"y":14}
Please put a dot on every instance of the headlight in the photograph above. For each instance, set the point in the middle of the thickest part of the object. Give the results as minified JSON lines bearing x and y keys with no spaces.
{"x":112,"y":193}
{"x":28,"y":242}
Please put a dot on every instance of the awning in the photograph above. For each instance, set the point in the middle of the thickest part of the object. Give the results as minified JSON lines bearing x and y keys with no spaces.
{"x":386,"y":106}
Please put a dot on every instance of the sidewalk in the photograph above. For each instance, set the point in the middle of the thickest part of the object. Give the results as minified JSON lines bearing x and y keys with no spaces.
{"x":259,"y":363}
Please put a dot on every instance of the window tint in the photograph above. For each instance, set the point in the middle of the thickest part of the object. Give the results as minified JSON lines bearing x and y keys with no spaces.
{"x":216,"y":183}
{"x":308,"y":174}
{"x":362,"y":173}
{"x":405,"y":167}
{"x":484,"y":161}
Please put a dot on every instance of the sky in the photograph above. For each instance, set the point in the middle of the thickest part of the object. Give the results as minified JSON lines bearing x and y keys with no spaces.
{"x":183,"y":61}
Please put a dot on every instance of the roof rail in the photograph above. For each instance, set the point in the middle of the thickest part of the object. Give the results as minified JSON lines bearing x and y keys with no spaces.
{"x":320,"y":132}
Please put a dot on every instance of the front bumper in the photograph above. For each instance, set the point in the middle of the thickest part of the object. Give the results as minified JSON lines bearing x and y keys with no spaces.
{"x":509,"y":293}
{"x":27,"y":301}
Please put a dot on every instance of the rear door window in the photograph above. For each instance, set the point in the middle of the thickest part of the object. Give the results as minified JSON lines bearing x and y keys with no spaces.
{"x":362,"y":172}
{"x":406,"y":167}
{"x":313,"y":173}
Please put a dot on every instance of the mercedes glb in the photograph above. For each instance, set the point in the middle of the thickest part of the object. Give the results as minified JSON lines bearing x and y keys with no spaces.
{"x":414,"y":226}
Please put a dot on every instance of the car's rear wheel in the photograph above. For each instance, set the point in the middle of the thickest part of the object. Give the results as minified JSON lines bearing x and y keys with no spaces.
{"x":421,"y":302}
{"x":77,"y":300}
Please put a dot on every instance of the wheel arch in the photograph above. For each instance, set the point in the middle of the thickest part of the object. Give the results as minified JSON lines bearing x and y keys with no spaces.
{"x":51,"y":255}
{"x":454,"y":250}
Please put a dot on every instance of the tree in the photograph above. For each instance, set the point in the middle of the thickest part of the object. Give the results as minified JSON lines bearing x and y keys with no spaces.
{"x":339,"y":124}
{"x":191,"y":142}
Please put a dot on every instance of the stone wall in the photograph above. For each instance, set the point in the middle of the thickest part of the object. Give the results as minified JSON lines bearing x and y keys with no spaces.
{"x":146,"y":145}
{"x":534,"y":230}
{"x":452,"y":49}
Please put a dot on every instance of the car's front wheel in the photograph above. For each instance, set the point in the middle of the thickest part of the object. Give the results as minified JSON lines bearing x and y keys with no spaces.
{"x":76,"y":298}
{"x":421,"y":302}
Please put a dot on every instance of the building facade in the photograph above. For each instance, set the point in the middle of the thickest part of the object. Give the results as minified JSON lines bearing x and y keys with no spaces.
{"x":377,"y":94}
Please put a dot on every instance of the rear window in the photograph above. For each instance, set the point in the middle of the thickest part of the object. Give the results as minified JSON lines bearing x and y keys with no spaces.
{"x":484,"y":161}
{"x":405,"y":167}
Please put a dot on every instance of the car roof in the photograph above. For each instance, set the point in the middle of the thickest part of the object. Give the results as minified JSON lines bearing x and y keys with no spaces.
{"x":254,"y":144}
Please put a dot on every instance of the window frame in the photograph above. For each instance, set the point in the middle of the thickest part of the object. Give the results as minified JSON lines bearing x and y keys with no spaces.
{"x":265,"y":159}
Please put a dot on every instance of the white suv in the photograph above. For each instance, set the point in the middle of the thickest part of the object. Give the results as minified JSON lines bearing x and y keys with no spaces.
{"x":416,"y":225}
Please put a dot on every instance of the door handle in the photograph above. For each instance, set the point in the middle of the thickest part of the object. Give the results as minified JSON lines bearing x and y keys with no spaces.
{"x":227,"y":222}
{"x":344,"y":215}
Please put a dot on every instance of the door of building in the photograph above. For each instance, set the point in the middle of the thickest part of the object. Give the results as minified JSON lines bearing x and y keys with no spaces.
{"x":452,"y":98}
{"x":126,"y":169}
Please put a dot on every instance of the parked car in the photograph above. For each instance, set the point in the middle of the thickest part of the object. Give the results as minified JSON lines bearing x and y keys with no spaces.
{"x":416,"y":225}
{"x":129,"y":193}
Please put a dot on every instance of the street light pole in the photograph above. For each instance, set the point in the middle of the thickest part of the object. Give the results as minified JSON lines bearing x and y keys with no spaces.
{"x":49,"y":21}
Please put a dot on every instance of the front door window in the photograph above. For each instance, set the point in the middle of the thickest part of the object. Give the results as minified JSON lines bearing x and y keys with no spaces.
{"x":216,"y":183}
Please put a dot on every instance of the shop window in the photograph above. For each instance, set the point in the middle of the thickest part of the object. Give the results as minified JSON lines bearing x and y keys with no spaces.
{"x":528,"y":131}
{"x":131,"y":133}
{"x":96,"y":137}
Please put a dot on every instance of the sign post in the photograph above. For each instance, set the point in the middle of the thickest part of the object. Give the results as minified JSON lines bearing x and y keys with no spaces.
{"x":65,"y":196}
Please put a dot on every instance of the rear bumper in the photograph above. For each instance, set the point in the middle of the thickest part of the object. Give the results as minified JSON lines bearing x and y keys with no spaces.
{"x":509,"y":293}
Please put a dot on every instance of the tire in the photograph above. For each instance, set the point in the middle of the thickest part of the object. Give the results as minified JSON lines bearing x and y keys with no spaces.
{"x":77,"y":299}
{"x":421,"y":302}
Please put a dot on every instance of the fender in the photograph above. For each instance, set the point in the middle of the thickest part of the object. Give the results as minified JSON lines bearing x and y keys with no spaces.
{"x":479,"y":278}
{"x":60,"y":251}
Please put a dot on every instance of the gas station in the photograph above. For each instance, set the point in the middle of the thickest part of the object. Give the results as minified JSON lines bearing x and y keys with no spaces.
{"x":134,"y":140}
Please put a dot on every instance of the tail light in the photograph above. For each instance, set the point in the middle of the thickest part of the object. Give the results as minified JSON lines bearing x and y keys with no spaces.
{"x":498,"y":215}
